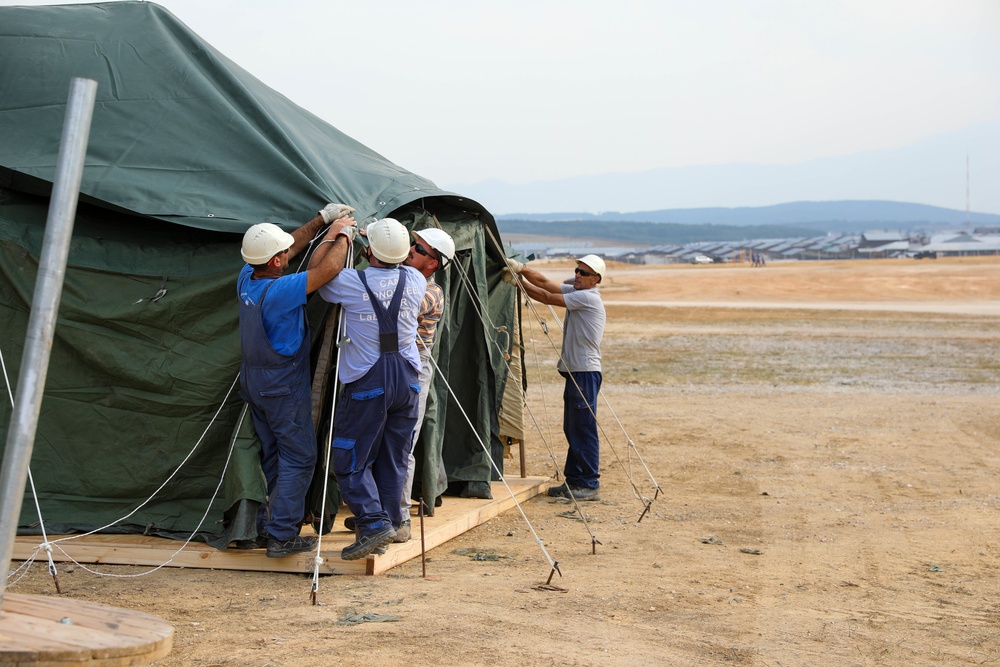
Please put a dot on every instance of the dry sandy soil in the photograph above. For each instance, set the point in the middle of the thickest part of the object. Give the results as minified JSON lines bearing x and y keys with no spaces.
{"x":828,"y":495}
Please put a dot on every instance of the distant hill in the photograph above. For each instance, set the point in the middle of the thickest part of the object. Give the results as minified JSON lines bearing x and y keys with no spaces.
{"x":781,"y":220}
{"x":931,"y":171}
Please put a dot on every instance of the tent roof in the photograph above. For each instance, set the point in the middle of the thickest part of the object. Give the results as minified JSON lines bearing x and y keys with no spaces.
{"x":180,"y":132}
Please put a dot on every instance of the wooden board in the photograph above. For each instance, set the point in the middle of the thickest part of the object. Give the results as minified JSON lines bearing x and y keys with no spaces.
{"x":454,"y":517}
{"x":41,"y":630}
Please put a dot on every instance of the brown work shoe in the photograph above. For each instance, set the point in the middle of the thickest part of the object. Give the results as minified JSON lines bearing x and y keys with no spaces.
{"x":403,"y":533}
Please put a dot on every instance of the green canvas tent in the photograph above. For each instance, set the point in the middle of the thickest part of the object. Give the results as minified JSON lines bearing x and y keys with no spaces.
{"x":186,"y":151}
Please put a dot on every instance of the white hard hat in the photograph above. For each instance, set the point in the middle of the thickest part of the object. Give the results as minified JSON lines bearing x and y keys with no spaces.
{"x":594,"y":262}
{"x":441,"y":241}
{"x":388,"y":240}
{"x":263,"y":241}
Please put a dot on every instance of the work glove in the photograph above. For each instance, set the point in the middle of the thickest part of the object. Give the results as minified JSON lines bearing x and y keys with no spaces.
{"x":514,"y":265}
{"x":350,"y":231}
{"x":333,"y":212}
{"x":508,"y":276}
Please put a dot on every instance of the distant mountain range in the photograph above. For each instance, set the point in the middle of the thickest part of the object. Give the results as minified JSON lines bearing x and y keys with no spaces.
{"x":932,"y":171}
{"x":796,"y":217}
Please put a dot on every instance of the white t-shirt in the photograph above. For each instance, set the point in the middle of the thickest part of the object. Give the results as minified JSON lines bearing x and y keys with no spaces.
{"x":583,"y":330}
{"x":361,"y":353}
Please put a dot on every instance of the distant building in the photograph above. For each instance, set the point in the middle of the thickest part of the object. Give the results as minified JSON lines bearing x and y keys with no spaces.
{"x":962,"y":245}
{"x":883,"y":244}
{"x":869,"y":245}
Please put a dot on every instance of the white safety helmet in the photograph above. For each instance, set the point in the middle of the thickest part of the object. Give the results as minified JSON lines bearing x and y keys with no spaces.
{"x":594,"y":262}
{"x":388,"y":240}
{"x":263,"y":241}
{"x":441,"y":241}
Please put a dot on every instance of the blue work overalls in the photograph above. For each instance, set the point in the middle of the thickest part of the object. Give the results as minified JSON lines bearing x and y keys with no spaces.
{"x":374,"y":426}
{"x":278,"y":389}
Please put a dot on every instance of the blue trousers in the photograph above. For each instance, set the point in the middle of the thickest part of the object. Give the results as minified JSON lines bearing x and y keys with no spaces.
{"x":583,"y":459}
{"x":288,"y":456}
{"x":374,"y":426}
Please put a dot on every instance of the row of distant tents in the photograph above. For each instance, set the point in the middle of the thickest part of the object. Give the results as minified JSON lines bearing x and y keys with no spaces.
{"x":868,"y":245}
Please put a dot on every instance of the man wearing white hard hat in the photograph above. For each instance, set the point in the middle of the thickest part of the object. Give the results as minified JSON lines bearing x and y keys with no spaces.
{"x":379,"y":368}
{"x":579,"y":364}
{"x":432,"y":249}
{"x":274,"y":371}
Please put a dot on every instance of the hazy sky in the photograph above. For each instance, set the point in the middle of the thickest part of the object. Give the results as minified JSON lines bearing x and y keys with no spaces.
{"x":520,"y":91}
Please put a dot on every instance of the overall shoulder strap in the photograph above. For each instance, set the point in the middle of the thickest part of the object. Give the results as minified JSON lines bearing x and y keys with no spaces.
{"x":387,"y":330}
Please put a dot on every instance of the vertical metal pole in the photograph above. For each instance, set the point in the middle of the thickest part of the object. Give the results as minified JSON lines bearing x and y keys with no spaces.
{"x":44,"y":308}
{"x":423,"y":543}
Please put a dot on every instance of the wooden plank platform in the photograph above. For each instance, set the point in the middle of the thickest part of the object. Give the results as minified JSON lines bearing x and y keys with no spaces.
{"x":41,"y":630}
{"x":454,"y":517}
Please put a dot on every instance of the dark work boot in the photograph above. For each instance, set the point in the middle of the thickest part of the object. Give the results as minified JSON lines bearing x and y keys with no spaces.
{"x":367,"y":544}
{"x":296,"y":545}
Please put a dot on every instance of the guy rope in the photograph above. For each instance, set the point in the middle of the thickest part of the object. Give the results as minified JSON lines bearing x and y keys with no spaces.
{"x":631,"y":446}
{"x":484,"y":316}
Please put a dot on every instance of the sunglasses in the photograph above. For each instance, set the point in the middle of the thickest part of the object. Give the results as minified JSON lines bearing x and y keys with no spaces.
{"x":422,"y":250}
{"x":585,"y":274}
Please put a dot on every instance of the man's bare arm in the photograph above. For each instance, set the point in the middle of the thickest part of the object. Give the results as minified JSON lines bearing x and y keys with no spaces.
{"x":330,"y":255}
{"x":542,"y":295}
{"x":303,"y":235}
{"x":534,"y":277}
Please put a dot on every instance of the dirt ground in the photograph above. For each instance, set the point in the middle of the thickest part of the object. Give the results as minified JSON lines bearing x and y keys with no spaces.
{"x":828,"y":494}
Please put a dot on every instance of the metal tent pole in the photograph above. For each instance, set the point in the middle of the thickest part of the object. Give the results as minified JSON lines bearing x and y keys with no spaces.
{"x":44,"y":308}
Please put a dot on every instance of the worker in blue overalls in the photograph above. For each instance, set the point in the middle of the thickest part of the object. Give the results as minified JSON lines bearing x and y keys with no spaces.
{"x":274,"y":373}
{"x":379,"y":368}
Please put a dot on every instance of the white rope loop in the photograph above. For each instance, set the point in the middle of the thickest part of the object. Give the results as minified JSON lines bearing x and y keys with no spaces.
{"x":47,"y":546}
